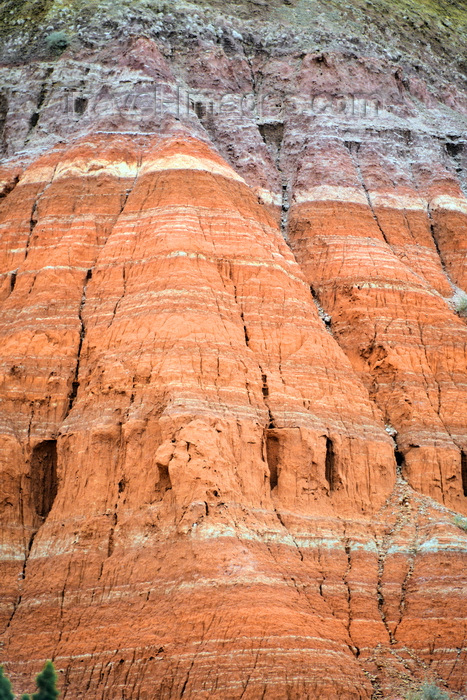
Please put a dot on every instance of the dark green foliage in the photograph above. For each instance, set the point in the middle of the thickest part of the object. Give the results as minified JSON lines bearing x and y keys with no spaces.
{"x":46,"y":682}
{"x":5,"y":687}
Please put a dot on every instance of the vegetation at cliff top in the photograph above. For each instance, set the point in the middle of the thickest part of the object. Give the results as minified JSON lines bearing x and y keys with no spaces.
{"x":46,"y":682}
{"x":410,"y":26}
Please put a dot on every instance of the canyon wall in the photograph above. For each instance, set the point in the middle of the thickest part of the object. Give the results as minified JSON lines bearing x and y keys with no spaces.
{"x":233,"y":359}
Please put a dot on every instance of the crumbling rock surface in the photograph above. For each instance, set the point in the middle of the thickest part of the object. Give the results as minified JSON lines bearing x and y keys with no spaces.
{"x":233,"y":375}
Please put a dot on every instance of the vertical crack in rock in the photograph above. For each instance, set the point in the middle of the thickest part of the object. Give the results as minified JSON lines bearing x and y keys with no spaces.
{"x":291,"y":580}
{"x":253,"y":669}
{"x":120,"y":490}
{"x":264,"y":379}
{"x":330,"y":465}
{"x":401,"y":503}
{"x":272,"y":134}
{"x":25,"y":563}
{"x":435,"y":242}
{"x":382,"y":548}
{"x":124,"y":269}
{"x":128,"y":191}
{"x":247,"y":338}
{"x":353,"y":148}
{"x":285,"y":212}
{"x":118,"y":302}
{"x":354,"y":648}
{"x":461,"y":649}
{"x":326,"y":318}
{"x":82,"y":333}
{"x":32,"y":226}
{"x":438,"y":249}
{"x":413,"y":550}
{"x":265,"y":392}
{"x":347,"y":585}
{"x":22,"y":576}
{"x":196,"y":654}
{"x":182,"y":692}
{"x":111,"y":543}
{"x":242,"y":316}
{"x":323,"y":579}
{"x":436,"y":245}
{"x":281,"y":520}
{"x":31,"y":418}
{"x":62,"y":606}
{"x":33,"y":220}
{"x":40,"y":101}
{"x":436,"y":405}
{"x":110,"y":538}
{"x":301,"y":588}
{"x":271,"y":445}
{"x":3,"y":118}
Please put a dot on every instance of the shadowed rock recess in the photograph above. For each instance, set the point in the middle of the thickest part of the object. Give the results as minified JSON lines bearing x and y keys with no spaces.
{"x":233,"y":348}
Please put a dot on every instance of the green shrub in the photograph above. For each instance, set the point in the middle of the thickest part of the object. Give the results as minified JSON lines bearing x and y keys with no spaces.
{"x":46,"y":682}
{"x":5,"y":687}
{"x":460,"y":522}
{"x":428,"y":691}
{"x":460,"y":304}
{"x":57,"y":42}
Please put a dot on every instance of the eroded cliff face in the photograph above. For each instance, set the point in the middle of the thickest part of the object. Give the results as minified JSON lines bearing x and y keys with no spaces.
{"x":233,"y":371}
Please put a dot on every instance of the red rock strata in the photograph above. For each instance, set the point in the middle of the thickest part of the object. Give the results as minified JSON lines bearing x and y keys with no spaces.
{"x":384,"y":296}
{"x":233,"y":445}
{"x":215,"y":458}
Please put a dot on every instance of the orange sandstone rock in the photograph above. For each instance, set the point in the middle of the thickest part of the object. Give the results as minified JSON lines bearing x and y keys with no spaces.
{"x":199,"y":495}
{"x":199,"y":391}
{"x":387,"y":317}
